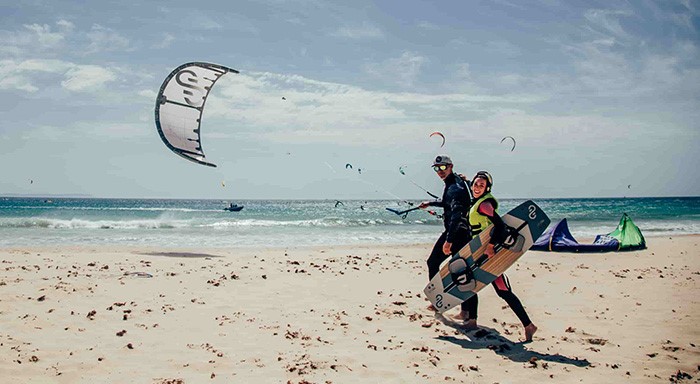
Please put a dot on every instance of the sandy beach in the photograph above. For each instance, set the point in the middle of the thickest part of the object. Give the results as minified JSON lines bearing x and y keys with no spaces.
{"x":340,"y":315}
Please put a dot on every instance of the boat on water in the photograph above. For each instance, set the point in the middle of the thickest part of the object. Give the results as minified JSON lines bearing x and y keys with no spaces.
{"x":233,"y":208}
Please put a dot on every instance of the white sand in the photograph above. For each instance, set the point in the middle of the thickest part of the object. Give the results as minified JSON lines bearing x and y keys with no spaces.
{"x":340,"y":315}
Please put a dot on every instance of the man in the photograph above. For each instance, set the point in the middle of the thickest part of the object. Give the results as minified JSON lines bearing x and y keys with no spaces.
{"x":456,"y":203}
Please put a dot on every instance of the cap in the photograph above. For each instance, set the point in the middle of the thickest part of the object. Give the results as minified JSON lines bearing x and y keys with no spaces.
{"x":442,"y":160}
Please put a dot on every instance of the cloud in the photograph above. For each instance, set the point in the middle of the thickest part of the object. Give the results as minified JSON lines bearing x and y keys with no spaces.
{"x":18,"y":82}
{"x":364,"y":31}
{"x":607,"y":22}
{"x":65,"y":25}
{"x":148,"y":94}
{"x":33,"y":38}
{"x":428,"y":26}
{"x":509,"y":4}
{"x":44,"y":35}
{"x":165,"y":42}
{"x":22,"y":75}
{"x":402,"y":70}
{"x":104,"y":39}
{"x":208,"y":24}
{"x":83,"y":78}
{"x":100,"y":130}
{"x":316,"y":111}
{"x":18,"y":74}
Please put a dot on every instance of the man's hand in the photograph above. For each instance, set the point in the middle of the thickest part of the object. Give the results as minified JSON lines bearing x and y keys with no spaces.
{"x":447,"y":248}
{"x":424,"y":205}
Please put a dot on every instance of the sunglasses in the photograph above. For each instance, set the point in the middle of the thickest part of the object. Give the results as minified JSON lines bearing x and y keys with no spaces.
{"x":438,"y":168}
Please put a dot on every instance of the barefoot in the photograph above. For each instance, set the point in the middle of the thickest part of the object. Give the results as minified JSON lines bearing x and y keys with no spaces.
{"x":469,"y":325}
{"x":461,"y":316}
{"x":529,"y":331}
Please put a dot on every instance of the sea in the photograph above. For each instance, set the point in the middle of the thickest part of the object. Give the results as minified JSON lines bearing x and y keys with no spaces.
{"x":287,"y":223}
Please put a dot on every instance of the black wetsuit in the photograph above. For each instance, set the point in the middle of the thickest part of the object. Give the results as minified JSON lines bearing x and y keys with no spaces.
{"x":456,"y":203}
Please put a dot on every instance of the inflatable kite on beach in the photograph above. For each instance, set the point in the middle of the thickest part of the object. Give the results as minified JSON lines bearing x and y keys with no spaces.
{"x":180,"y":105}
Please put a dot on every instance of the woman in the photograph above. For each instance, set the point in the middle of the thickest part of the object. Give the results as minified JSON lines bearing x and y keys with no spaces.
{"x":481,"y":215}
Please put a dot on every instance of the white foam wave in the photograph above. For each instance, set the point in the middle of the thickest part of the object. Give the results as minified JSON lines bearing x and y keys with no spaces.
{"x":148,"y":209}
{"x":330,"y":222}
{"x":92,"y":224}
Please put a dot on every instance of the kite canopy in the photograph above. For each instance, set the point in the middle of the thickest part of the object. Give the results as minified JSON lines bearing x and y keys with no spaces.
{"x":629,"y":235}
{"x":441,"y":135}
{"x":509,"y":137}
{"x":180,"y":104}
{"x":559,"y":239}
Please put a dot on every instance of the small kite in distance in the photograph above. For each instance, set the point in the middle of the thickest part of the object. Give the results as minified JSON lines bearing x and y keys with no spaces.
{"x":284,"y":98}
{"x":629,"y":186}
{"x":348,"y":166}
{"x":401,"y":169}
{"x":441,"y":135}
{"x":509,"y":137}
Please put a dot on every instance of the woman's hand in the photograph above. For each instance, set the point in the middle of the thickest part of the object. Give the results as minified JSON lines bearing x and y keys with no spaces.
{"x":447,"y":248}
{"x":489,"y":250}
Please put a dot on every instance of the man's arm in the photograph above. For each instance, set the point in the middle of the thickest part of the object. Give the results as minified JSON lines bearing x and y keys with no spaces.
{"x":435,"y":203}
{"x":458,"y":197}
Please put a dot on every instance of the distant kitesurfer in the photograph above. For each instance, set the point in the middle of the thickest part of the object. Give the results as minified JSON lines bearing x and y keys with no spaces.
{"x":455,"y":202}
{"x":481,"y":215}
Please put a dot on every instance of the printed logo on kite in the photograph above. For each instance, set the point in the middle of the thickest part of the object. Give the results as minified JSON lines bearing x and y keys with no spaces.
{"x":180,"y":105}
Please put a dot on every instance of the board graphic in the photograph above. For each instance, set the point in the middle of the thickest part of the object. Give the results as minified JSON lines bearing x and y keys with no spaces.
{"x":469,"y":270}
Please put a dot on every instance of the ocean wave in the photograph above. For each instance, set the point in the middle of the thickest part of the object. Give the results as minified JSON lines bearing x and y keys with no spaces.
{"x":91,"y":224}
{"x":330,"y":222}
{"x":169,"y":223}
{"x":144,"y":209}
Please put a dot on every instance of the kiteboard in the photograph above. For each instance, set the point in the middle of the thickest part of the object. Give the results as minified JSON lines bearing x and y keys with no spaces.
{"x":469,"y":270}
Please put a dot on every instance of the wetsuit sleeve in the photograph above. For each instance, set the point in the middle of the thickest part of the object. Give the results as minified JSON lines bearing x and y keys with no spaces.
{"x":458,"y":210}
{"x":486,"y":208}
{"x":438,"y":204}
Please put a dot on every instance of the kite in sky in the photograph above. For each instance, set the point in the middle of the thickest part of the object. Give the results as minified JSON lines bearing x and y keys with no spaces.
{"x":509,"y":137}
{"x":441,"y":135}
{"x":180,"y":106}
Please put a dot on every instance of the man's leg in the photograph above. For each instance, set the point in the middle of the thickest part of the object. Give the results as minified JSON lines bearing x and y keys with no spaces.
{"x":436,"y":257}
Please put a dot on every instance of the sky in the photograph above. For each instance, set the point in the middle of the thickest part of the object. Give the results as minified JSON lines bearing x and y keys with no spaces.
{"x":602,"y":97}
